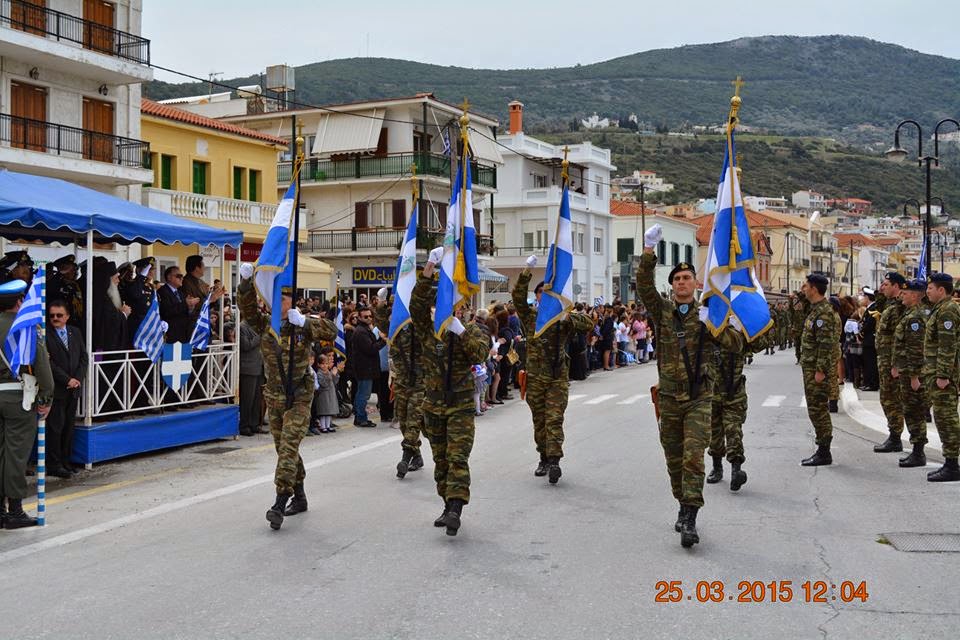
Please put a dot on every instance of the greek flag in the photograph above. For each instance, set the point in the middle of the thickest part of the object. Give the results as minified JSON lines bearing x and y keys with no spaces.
{"x":340,"y":342}
{"x":21,"y":346}
{"x":405,"y":278}
{"x":557,"y":296}
{"x":274,"y":268}
{"x":149,"y":336}
{"x":922,"y":267}
{"x":459,"y":276}
{"x":201,"y":332}
{"x":731,"y":281}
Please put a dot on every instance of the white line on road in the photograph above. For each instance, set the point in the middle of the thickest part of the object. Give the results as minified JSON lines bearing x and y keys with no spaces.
{"x":774,"y":401}
{"x":575,"y":396}
{"x":633,"y":399}
{"x":81,"y":534}
{"x":602,"y":398}
{"x":803,"y":403}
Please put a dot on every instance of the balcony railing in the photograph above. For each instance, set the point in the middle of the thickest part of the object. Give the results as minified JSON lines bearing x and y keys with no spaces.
{"x":520,"y":252}
{"x":378,"y":239}
{"x":431,"y":164}
{"x":201,"y":207}
{"x":61,"y":140}
{"x":39,"y":20}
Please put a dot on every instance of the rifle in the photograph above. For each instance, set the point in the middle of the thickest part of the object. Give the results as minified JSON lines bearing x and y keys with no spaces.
{"x":655,"y":398}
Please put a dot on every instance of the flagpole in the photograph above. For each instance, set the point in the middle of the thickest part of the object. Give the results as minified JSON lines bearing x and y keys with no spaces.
{"x":42,"y":425}
{"x":295,"y":248}
{"x":731,"y":125}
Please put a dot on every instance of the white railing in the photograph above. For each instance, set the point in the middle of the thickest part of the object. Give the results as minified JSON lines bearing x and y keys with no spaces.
{"x":208,"y":208}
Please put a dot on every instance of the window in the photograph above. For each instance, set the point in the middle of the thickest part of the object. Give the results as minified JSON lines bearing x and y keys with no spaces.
{"x":238,"y":178}
{"x":674,"y":254}
{"x":598,"y":241}
{"x":97,"y":120}
{"x":539,"y":181}
{"x":380,"y":214}
{"x":255,"y":178}
{"x":536,"y":239}
{"x":688,"y":254}
{"x":167,"y":177}
{"x":598,"y":189}
{"x":662,"y":252}
{"x":578,"y":232}
{"x":98,"y":26}
{"x":200,"y":170}
{"x":624,"y":249}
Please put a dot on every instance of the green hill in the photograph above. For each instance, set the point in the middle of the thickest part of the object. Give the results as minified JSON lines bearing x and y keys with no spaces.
{"x":850,"y":88}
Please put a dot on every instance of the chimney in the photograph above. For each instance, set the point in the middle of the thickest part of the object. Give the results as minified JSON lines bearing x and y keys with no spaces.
{"x":516,"y":117}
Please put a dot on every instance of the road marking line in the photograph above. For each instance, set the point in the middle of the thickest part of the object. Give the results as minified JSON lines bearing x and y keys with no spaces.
{"x":773,"y":401}
{"x":92,"y":491}
{"x":599,"y":399}
{"x":633,"y":399}
{"x":575,"y":396}
{"x":81,"y":534}
{"x":803,"y":403}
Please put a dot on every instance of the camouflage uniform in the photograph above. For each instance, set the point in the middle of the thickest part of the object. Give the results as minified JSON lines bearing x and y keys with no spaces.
{"x":730,"y":399}
{"x":448,"y":395}
{"x":890,"y":396}
{"x":407,"y":379}
{"x":548,"y":367}
{"x":685,"y":403}
{"x":818,"y":352}
{"x":908,"y":359}
{"x":287,"y":426}
{"x":837,"y":354}
{"x":940,"y":360}
{"x":783,"y":326}
{"x":799,"y":311}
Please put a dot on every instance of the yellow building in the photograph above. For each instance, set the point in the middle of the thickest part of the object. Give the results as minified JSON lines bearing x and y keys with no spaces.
{"x":220,"y":174}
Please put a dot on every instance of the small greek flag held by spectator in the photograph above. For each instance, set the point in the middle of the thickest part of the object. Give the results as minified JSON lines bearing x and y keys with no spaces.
{"x":922,"y":267}
{"x":340,"y":343}
{"x":201,"y":333}
{"x":20,"y":347}
{"x":177,"y":365}
{"x":149,"y":337}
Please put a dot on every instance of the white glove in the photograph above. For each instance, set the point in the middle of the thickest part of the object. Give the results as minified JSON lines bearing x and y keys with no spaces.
{"x":532,"y":262}
{"x":246,"y":270}
{"x":653,"y":236}
{"x":382,"y":293}
{"x":376,"y":333}
{"x":295,"y":317}
{"x":163,"y":326}
{"x":436,"y":255}
{"x":456,"y":326}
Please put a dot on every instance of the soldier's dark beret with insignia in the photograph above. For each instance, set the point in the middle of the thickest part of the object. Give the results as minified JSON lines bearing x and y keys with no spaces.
{"x":896,"y":279}
{"x":65,"y":261}
{"x":816,"y":278}
{"x":681,"y":266}
{"x":940,"y":278}
{"x":917,"y":285}
{"x":13,"y":258}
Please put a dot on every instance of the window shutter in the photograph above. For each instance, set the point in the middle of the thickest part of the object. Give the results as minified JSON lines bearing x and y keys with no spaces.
{"x":399,"y":213}
{"x":476,"y":221}
{"x":360,"y":215}
{"x":442,"y":214}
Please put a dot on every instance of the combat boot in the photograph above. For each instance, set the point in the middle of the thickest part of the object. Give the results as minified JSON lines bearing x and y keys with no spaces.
{"x":892,"y":443}
{"x":680,"y":517}
{"x":738,"y":477}
{"x":298,"y":504}
{"x":716,"y":474}
{"x":3,"y":512}
{"x":834,"y":408}
{"x":917,"y":457}
{"x":452,"y":520}
{"x":821,"y":457}
{"x":442,"y":520}
{"x":17,"y":518}
{"x":417,"y":463}
{"x":541,"y":468}
{"x":688,"y":529}
{"x":275,"y":513}
{"x":949,"y":472}
{"x":404,"y":465}
{"x":553,"y":470}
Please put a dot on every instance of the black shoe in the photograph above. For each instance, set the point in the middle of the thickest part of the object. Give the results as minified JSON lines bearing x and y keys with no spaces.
{"x":680,"y":517}
{"x":738,"y":477}
{"x":59,"y":472}
{"x":366,"y":424}
{"x":716,"y":474}
{"x":833,"y":407}
{"x":495,"y":402}
{"x":16,"y":517}
{"x":541,"y":468}
{"x":452,"y":520}
{"x":246,"y":432}
{"x":916,"y":458}
{"x":416,"y":464}
{"x":442,"y":520}
{"x":949,"y":472}
{"x":275,"y":513}
{"x":820,"y":458}
{"x":928,"y":417}
{"x":892,"y":443}
{"x":553,"y":471}
{"x":688,"y":528}
{"x":404,"y":465}
{"x":298,"y":504}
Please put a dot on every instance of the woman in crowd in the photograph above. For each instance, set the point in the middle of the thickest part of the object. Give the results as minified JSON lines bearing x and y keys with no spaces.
{"x":505,"y":336}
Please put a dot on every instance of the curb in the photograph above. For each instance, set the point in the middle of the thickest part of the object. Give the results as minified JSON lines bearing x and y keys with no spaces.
{"x":850,"y":402}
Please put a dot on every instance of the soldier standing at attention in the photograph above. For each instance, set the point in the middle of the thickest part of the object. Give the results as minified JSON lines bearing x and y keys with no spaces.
{"x":941,"y":370}
{"x":288,"y":422}
{"x":891,"y":312}
{"x":907,"y":370}
{"x":799,"y":309}
{"x":818,"y":361}
{"x":686,"y":392}
{"x":548,"y":367}
{"x":448,"y":395}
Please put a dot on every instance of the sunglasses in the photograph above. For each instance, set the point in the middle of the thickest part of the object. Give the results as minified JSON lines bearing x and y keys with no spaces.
{"x":58,"y":315}
{"x":178,"y":276}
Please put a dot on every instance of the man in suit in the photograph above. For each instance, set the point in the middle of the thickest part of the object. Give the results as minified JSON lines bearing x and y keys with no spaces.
{"x":68,"y":361}
{"x":251,"y":380}
{"x":175,"y":308}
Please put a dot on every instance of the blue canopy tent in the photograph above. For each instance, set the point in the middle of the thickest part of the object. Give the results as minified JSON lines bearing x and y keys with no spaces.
{"x":40,"y":208}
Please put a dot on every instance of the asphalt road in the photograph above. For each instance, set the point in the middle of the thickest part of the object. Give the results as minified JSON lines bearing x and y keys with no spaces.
{"x":175,"y":545}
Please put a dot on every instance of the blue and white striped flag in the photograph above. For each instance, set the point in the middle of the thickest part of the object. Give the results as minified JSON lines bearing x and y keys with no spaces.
{"x":922,"y":267}
{"x":731,"y":280}
{"x":340,"y":342}
{"x":20,"y":347}
{"x":149,"y":336}
{"x":459,"y":275}
{"x":405,"y":278}
{"x":557,"y":297}
{"x":201,"y":332}
{"x":274,"y":268}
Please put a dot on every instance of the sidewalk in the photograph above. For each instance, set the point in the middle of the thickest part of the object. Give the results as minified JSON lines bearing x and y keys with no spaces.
{"x":863,"y":407}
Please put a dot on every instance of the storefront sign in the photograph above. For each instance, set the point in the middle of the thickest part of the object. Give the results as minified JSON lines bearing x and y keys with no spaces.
{"x":373,"y":275}
{"x":249,"y":252}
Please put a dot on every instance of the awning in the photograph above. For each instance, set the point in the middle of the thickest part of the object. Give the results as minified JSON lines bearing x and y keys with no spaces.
{"x":489,"y":275}
{"x":348,"y":133}
{"x":313,"y":273}
{"x":34,"y":207}
{"x":484,"y":148}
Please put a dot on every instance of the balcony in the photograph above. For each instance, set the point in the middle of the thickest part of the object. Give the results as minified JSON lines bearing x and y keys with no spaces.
{"x":376,"y":240}
{"x":58,"y":40}
{"x":209,"y":208}
{"x":394,"y":165}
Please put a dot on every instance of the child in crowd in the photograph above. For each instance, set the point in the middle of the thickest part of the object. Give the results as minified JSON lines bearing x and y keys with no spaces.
{"x":327,"y":404}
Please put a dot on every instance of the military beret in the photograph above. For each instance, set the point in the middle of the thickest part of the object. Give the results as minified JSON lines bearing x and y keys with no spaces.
{"x":896,"y":279}
{"x":13,"y":258}
{"x":126,"y":266}
{"x":940,"y":278}
{"x":65,"y":261}
{"x":916,"y":285}
{"x":835,"y":303}
{"x":816,"y":278}
{"x":681,"y":266}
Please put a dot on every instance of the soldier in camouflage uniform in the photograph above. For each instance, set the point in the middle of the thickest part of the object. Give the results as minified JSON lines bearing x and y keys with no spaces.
{"x":818,"y":360}
{"x":891,"y":310}
{"x":783,"y":324}
{"x":835,"y":381}
{"x":799,"y":310}
{"x":448,"y":395}
{"x":685,"y":386}
{"x":288,"y":422}
{"x":769,"y":350}
{"x":407,"y":386}
{"x":941,"y":370}
{"x":907,"y":369}
{"x":548,"y":367}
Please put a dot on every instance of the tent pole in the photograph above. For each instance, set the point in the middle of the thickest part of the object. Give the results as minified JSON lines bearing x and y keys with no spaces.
{"x":88,"y":313}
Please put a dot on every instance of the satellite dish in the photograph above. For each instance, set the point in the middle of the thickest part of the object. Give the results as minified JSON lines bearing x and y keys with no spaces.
{"x":577,"y":289}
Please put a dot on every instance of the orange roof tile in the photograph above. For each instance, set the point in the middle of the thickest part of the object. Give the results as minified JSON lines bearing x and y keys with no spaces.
{"x":151,"y":108}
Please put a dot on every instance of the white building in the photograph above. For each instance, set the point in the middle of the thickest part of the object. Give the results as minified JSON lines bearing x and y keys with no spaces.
{"x":70,"y":75}
{"x":528,"y":202}
{"x":596,"y":122}
{"x":808,"y":200}
{"x":651,"y":183}
{"x":765,"y":203}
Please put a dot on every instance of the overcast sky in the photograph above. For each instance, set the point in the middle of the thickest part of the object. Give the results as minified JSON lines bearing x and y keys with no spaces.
{"x":242,"y":37}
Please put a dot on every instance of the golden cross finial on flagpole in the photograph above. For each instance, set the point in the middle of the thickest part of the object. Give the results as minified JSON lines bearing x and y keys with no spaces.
{"x":737,"y":84}
{"x":413,"y":181}
{"x":566,"y":163}
{"x":466,"y":105}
